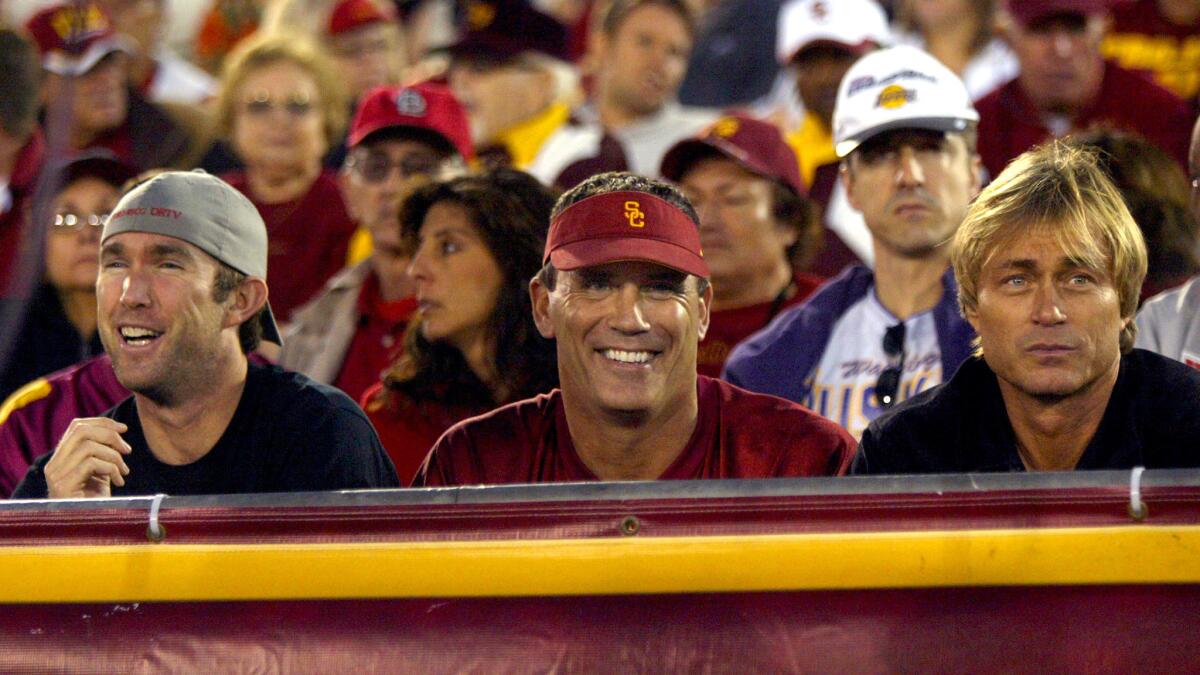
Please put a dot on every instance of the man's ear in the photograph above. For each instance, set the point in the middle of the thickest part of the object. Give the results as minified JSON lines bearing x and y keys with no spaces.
{"x":705,"y":311}
{"x":539,"y":297}
{"x":245,"y":301}
{"x":972,"y":317}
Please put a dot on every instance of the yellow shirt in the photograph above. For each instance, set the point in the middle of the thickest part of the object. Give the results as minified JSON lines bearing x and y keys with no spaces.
{"x":813,"y":145}
{"x":525,"y":140}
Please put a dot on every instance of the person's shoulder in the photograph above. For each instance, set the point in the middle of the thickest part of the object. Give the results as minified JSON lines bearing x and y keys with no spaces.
{"x":510,"y":423}
{"x":1151,"y":97}
{"x":1164,"y":376}
{"x":326,"y":184}
{"x":1164,"y":400}
{"x":929,"y":414}
{"x":1005,"y":95}
{"x":1168,"y":305}
{"x":797,"y":324}
{"x":740,"y":405}
{"x":299,"y":393}
{"x":495,"y":447}
{"x":86,"y":388}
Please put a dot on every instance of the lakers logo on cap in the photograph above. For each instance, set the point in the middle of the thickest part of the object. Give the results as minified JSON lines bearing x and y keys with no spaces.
{"x":634,"y":214}
{"x":410,"y":102}
{"x":480,"y":15}
{"x":725,"y":127}
{"x":894,"y":96}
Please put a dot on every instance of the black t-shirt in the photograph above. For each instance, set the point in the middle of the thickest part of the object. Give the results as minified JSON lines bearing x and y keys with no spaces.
{"x":288,"y":434}
{"x":1152,"y":420}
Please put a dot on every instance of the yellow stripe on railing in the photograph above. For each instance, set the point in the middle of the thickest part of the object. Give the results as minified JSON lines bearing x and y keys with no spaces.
{"x":161,"y":572}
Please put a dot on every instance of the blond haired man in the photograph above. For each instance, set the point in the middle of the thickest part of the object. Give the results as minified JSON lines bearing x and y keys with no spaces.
{"x":1049,"y":263}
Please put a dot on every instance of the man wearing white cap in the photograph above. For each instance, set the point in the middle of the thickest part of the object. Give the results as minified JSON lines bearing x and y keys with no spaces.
{"x":904,"y":128}
{"x":182,"y":298}
{"x":819,"y":40}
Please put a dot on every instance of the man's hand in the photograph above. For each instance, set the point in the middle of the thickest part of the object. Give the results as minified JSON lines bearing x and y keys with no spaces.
{"x":88,"y":460}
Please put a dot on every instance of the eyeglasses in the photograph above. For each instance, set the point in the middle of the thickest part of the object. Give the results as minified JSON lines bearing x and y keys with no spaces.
{"x":354,"y":50}
{"x":69,"y":222}
{"x":375,"y":168}
{"x":261,"y":104}
{"x":888,"y":384}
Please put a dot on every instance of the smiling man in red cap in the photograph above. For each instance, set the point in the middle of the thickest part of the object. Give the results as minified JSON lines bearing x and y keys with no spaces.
{"x":625,"y":293}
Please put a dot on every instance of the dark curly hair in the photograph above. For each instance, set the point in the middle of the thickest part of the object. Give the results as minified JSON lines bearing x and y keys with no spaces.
{"x":511,"y":211}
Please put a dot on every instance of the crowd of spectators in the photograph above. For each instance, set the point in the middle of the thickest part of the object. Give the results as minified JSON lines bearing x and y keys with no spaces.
{"x":425,"y":174}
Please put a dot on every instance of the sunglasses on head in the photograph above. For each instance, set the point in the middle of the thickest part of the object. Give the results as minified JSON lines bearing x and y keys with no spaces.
{"x":888,"y":384}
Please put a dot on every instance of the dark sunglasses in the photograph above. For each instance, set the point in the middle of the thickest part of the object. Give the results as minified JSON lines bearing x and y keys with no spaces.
{"x":888,"y":383}
{"x":376,"y":168}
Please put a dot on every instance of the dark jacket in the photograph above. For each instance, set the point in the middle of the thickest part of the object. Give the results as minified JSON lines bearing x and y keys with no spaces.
{"x":1152,"y":420}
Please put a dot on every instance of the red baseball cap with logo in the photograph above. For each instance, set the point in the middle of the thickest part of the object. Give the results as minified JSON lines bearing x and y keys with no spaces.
{"x":625,"y":225}
{"x":756,"y":145}
{"x":426,"y":108}
{"x":1029,"y":11}
{"x":348,"y":15}
{"x":500,"y":30}
{"x":72,"y":38}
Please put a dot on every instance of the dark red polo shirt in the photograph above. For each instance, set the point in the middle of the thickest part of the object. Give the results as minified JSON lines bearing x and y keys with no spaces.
{"x":738,"y":434}
{"x":1009,"y":124}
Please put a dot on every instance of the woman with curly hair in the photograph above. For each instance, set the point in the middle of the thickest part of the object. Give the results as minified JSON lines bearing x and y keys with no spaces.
{"x":478,"y":240}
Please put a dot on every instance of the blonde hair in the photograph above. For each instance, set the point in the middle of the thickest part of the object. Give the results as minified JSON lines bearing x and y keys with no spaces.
{"x":311,"y":19}
{"x":267,"y":49}
{"x":1061,"y":191}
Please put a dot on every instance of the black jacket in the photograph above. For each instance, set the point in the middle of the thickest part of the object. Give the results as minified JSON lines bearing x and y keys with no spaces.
{"x":1152,"y":420}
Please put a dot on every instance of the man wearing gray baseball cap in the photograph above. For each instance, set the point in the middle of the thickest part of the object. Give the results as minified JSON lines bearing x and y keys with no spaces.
{"x":182,"y":300}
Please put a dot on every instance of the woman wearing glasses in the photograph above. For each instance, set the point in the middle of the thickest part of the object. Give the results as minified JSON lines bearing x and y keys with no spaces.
{"x":60,"y":327}
{"x":280,"y":108}
{"x":477,"y":242}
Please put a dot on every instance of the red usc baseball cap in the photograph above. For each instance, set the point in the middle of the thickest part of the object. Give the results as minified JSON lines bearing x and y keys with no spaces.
{"x":424,"y":107}
{"x":756,"y":145}
{"x":348,"y":15}
{"x":1029,"y":11}
{"x":625,"y":225}
{"x":500,"y":30}
{"x":72,"y":39}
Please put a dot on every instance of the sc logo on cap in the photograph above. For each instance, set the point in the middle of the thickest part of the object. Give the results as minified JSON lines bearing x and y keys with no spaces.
{"x":634,"y":214}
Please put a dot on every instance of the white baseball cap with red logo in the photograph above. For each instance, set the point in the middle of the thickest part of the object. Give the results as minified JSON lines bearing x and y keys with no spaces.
{"x":856,"y":25}
{"x":898,"y":88}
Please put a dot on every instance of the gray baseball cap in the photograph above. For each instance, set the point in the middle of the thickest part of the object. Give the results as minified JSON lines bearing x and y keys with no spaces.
{"x":204,"y":211}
